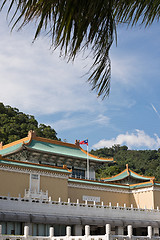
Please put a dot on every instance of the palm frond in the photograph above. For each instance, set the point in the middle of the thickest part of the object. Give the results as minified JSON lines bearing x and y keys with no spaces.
{"x":138,"y":11}
{"x":76,"y":25}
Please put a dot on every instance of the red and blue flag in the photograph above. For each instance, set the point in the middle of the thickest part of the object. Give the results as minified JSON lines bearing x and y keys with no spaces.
{"x":84,"y":142}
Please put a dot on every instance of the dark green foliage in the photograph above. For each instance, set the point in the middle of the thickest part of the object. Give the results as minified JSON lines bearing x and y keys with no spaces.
{"x":144,"y":162}
{"x":15,"y":125}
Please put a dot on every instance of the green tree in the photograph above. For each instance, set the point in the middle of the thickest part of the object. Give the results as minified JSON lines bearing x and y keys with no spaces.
{"x":76,"y":25}
{"x":46,"y":131}
{"x":146,"y":162}
{"x":107,"y":171}
{"x":15,"y":125}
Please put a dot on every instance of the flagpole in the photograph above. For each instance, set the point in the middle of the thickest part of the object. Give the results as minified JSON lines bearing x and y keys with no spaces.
{"x":87,"y":164}
{"x":87,"y":169}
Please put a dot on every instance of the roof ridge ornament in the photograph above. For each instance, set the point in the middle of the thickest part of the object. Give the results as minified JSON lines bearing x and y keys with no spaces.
{"x":1,"y":145}
{"x":31,"y":134}
{"x":77,"y":142}
{"x":127,"y":168}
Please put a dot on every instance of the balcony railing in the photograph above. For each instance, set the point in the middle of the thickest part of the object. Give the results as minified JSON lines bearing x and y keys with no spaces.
{"x":30,"y":194}
{"x":85,"y":178}
{"x":74,"y":209}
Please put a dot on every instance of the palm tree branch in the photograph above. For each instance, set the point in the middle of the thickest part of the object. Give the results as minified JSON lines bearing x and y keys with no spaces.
{"x":78,"y":25}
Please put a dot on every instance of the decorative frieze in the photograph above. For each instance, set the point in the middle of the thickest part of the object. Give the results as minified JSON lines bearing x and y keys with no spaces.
{"x":99,"y":188}
{"x":46,"y":158}
{"x":147,"y":189}
{"x":33,"y":171}
{"x":111,"y":189}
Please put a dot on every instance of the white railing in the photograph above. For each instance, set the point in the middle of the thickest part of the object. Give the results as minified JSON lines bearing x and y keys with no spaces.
{"x":87,"y":236}
{"x":30,"y":194}
{"x":60,"y":208}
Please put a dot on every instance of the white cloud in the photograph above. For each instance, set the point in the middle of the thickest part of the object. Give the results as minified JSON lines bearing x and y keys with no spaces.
{"x":154,"y":108}
{"x":82,"y":120}
{"x":102,"y":120}
{"x":133,"y":140}
{"x":124,"y":70}
{"x":69,"y":123}
{"x":35,"y":80}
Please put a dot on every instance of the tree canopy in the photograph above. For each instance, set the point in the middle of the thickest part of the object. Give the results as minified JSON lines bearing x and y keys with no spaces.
{"x":143,"y":162}
{"x":15,"y":125}
{"x":76,"y":25}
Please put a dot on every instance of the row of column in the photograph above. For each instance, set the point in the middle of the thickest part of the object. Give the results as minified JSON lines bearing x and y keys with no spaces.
{"x":120,"y":230}
{"x":78,"y":231}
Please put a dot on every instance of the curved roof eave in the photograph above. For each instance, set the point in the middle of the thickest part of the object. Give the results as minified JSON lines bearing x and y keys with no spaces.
{"x":64,"y":155}
{"x":141,"y":185}
{"x":49,"y":146}
{"x":92,"y":182}
{"x":98,"y":158}
{"x":127,"y":172}
{"x":15,"y":146}
{"x":138,"y":176}
{"x":33,"y":165}
{"x":12,"y":151}
{"x":117,"y":177}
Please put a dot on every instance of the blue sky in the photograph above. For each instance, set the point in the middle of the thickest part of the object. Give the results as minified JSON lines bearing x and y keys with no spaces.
{"x":36,"y":81}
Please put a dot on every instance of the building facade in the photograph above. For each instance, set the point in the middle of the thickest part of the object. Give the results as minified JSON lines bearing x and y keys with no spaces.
{"x":45,"y":183}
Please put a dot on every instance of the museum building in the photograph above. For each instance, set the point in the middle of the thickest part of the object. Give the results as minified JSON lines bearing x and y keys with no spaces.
{"x":46,"y":183}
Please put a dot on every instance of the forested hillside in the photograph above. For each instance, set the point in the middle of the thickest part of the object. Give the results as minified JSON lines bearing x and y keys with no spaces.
{"x":144,"y":162}
{"x":15,"y":125}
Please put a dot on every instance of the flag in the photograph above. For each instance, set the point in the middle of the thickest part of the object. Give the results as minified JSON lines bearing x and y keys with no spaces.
{"x":84,"y":142}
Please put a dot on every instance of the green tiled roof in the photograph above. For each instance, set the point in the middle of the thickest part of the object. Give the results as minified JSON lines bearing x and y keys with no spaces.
{"x":54,"y":147}
{"x":137,"y":176}
{"x":60,"y":149}
{"x":141,"y":185}
{"x":125,"y":174}
{"x":120,"y":176}
{"x":157,"y":183}
{"x":98,"y":183}
{"x":11,"y":149}
{"x":111,"y":184}
{"x":23,"y":164}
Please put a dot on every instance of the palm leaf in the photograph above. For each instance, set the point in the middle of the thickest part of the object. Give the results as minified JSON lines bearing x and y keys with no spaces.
{"x":76,"y":25}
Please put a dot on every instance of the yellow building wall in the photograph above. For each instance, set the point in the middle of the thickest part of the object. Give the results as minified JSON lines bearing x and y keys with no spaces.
{"x":13,"y":183}
{"x":156,"y":199}
{"x":56,"y":187}
{"x":105,"y":196}
{"x":143,"y":199}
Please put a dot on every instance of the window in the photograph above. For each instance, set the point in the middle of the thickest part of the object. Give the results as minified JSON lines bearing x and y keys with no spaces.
{"x":78,"y":173}
{"x":34,"y":176}
{"x":34,"y":182}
